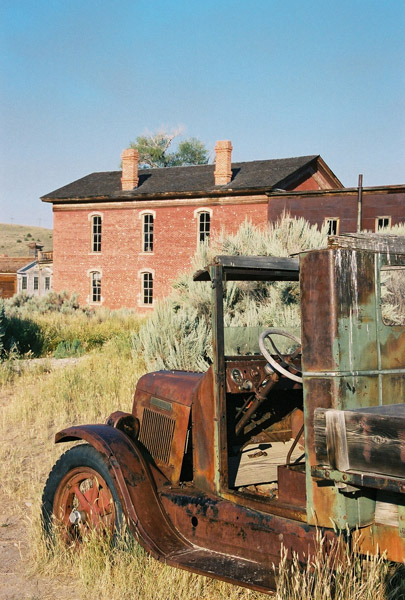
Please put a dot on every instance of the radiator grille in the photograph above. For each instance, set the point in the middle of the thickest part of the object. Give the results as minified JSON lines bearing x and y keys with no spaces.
{"x":156,"y":434}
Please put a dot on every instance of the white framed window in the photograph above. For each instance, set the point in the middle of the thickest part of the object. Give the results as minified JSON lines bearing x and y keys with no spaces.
{"x":95,"y":286}
{"x":333,"y":225}
{"x":382,"y":223}
{"x":147,"y":288}
{"x":147,"y":232}
{"x":203,"y":217}
{"x":36,"y":282}
{"x":24,"y":282}
{"x":96,"y":226}
{"x":204,"y":225}
{"x":47,"y":283}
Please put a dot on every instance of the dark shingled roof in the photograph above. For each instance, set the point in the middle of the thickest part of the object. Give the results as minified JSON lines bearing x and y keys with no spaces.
{"x":176,"y":180}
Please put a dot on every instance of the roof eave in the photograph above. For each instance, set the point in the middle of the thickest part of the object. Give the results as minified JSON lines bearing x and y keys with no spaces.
{"x":128,"y":196}
{"x":328,"y":171}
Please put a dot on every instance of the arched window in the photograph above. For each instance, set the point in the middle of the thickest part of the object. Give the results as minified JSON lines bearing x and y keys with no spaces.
{"x":96,"y":221}
{"x":147,"y":287}
{"x":95,"y":291}
{"x":147,"y":232}
{"x":204,"y":224}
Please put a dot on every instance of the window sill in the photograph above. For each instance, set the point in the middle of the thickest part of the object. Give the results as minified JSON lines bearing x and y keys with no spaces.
{"x":146,"y":253}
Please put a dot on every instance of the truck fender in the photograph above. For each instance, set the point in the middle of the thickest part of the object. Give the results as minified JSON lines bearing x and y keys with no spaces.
{"x":135,"y":484}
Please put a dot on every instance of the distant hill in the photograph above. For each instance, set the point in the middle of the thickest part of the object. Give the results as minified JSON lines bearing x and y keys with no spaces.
{"x":14,"y":238}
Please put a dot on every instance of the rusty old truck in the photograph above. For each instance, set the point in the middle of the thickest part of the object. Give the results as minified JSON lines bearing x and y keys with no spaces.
{"x":282,"y":436}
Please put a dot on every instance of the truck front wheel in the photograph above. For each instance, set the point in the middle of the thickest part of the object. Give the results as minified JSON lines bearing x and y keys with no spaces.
{"x":80,"y":497}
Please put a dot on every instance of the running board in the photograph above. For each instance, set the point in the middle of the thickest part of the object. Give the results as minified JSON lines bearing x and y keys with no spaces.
{"x":232,"y":569}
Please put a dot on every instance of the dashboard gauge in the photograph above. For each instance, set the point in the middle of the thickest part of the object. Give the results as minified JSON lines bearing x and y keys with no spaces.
{"x":237,"y":376}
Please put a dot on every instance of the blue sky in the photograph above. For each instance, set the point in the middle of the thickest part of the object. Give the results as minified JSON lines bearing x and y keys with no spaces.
{"x":81,"y":79}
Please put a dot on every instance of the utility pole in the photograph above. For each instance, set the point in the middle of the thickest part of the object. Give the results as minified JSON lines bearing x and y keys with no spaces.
{"x":359,"y":203}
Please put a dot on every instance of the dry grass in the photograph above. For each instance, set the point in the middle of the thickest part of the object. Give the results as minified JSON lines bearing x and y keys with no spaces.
{"x":40,"y":404}
{"x":342,"y":575}
{"x":10,"y":234}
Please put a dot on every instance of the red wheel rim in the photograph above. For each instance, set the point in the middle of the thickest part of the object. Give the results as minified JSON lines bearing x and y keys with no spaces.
{"x":84,"y":490}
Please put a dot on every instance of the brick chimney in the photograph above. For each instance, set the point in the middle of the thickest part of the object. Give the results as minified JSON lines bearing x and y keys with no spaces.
{"x":223,"y":170}
{"x":130,"y":159}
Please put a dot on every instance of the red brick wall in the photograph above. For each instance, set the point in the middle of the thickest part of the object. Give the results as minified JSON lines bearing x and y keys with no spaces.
{"x":342,"y":206}
{"x":381,"y":205}
{"x":316,"y":208}
{"x":121,"y":257}
{"x":307,"y":184}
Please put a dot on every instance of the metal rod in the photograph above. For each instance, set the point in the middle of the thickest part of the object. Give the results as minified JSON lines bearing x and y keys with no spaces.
{"x":297,"y":438}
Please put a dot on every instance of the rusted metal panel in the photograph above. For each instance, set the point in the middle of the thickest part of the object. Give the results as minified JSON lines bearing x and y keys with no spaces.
{"x":244,"y":532}
{"x":318,"y":312}
{"x":174,"y":386}
{"x":291,"y":485}
{"x":205,"y":458}
{"x":379,"y":539}
{"x":252,"y":368}
{"x":220,"y":417}
{"x":162,"y":403}
{"x":338,"y":303}
{"x":360,"y":480}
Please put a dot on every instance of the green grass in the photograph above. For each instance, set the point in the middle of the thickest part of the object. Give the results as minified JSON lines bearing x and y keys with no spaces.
{"x":10,"y":234}
{"x":56,"y":325}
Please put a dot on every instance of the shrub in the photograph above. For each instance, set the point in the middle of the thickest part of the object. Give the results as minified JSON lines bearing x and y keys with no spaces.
{"x":56,"y":322}
{"x":23,"y":305}
{"x":66,"y":349}
{"x":19,"y":336}
{"x":178,"y":334}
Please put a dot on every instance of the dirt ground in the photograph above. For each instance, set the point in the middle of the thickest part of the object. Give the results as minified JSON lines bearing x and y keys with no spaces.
{"x":16,"y":583}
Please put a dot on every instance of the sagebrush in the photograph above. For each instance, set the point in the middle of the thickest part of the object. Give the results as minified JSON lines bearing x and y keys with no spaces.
{"x":178,"y":334}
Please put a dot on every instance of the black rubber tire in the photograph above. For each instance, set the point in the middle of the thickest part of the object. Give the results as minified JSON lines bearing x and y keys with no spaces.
{"x":83,"y":455}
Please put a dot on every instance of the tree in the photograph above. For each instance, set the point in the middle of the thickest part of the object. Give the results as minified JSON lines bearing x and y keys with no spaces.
{"x":154,"y":151}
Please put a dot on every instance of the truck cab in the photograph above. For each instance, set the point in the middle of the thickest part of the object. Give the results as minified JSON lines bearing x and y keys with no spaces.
{"x":286,"y":433}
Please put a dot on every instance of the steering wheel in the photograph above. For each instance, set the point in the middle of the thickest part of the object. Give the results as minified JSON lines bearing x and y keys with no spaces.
{"x":285,"y":360}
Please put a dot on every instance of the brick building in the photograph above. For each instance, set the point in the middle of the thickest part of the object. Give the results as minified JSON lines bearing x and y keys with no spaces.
{"x":121,"y":237}
{"x":380,"y":207}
